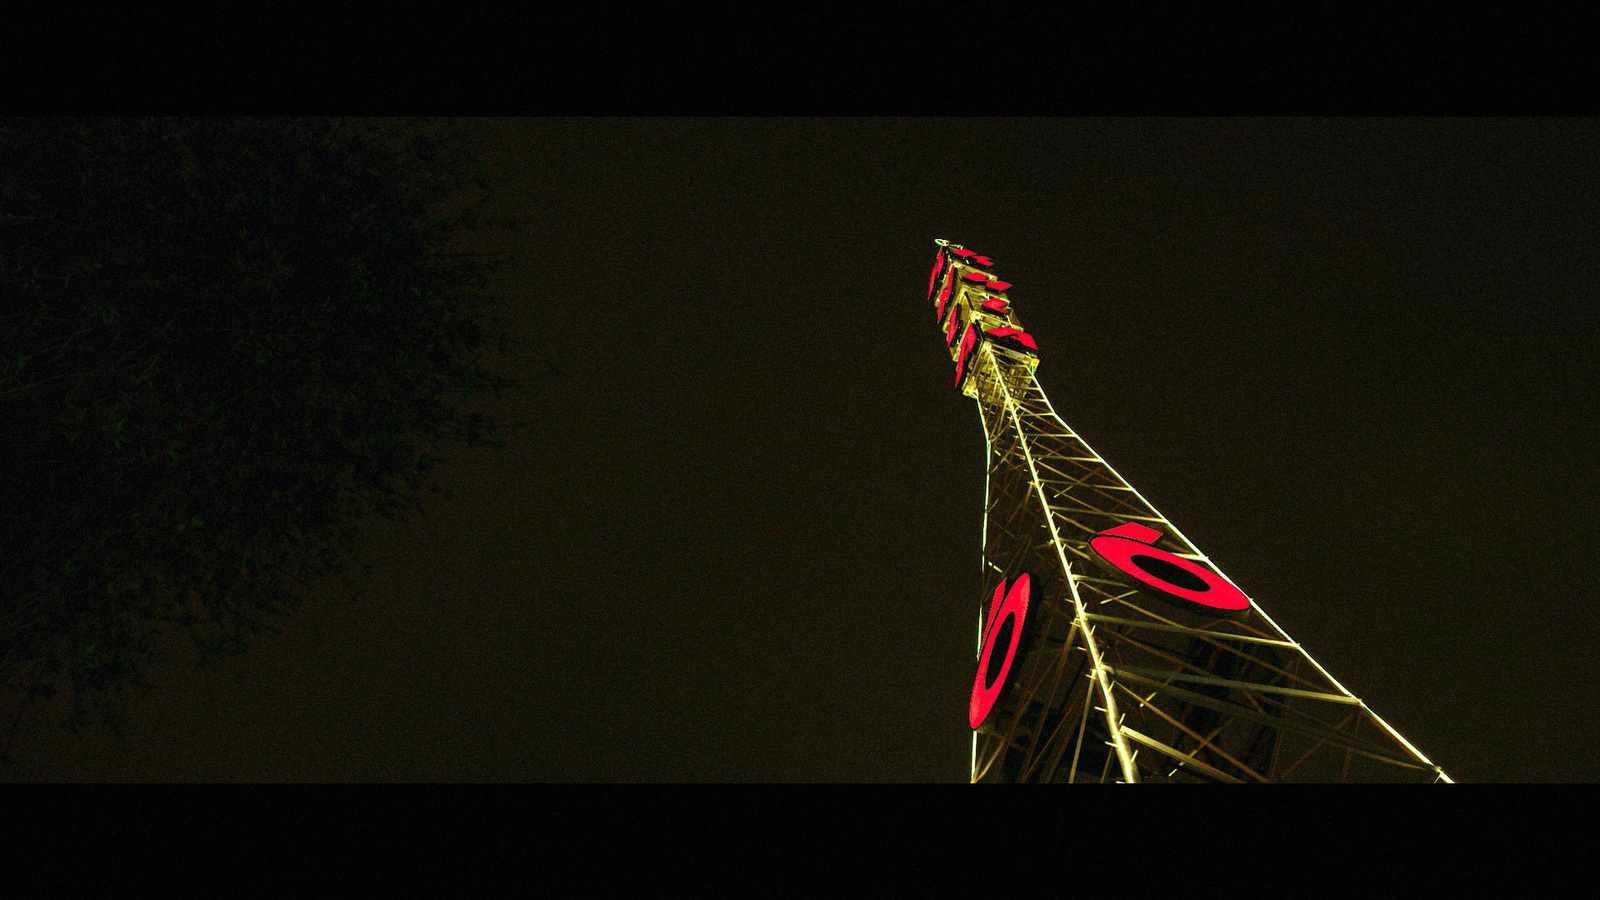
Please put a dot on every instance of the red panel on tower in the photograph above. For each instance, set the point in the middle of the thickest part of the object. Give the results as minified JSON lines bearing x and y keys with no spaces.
{"x":969,"y":341}
{"x":1007,"y":619}
{"x":1014,"y":338}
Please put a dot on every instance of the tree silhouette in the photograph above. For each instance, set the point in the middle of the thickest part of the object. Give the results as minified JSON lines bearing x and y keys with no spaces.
{"x":223,"y":343}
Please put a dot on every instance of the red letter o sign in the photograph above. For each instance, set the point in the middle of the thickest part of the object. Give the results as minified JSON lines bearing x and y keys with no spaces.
{"x":1006,"y":618}
{"x":1128,"y":548}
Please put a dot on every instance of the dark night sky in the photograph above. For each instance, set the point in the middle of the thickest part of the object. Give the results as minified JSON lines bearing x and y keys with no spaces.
{"x":1353,"y":360}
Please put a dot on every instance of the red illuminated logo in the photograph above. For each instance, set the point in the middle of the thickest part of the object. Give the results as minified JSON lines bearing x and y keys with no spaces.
{"x":1014,"y":338}
{"x":1130,"y":549}
{"x":969,"y":341}
{"x":933,"y":280}
{"x":974,"y":259}
{"x":950,"y":330}
{"x":988,"y":283}
{"x":996,"y":305}
{"x":944,"y":295}
{"x":1002,"y":635}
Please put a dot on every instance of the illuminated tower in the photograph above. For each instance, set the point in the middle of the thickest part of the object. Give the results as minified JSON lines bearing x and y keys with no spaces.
{"x":1109,"y":647}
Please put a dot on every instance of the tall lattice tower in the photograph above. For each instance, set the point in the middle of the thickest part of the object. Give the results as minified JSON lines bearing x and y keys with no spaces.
{"x":1109,"y":647}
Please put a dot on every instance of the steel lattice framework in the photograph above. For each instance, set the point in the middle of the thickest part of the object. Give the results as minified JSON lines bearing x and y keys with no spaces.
{"x":1111,"y":681}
